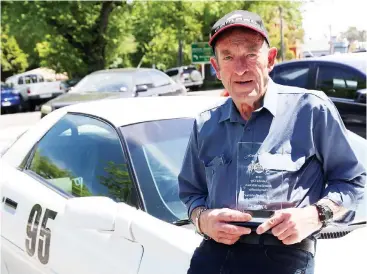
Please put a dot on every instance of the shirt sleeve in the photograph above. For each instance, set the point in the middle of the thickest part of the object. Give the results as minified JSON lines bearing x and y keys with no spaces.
{"x":193,"y":189}
{"x":344,"y":173}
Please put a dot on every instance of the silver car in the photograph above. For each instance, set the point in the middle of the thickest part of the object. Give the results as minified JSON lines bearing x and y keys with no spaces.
{"x":189,"y":76}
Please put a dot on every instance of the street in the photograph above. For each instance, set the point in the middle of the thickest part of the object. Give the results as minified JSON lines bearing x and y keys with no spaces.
{"x":12,"y":125}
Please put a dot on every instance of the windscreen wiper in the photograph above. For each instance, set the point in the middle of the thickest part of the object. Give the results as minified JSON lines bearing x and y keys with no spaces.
{"x":182,"y":222}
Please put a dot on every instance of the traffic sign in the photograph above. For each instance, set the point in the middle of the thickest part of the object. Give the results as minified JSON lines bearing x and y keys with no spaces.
{"x":201,"y":52}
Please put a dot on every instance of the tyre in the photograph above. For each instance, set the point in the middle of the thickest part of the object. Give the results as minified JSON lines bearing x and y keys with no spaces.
{"x":24,"y":105}
{"x":195,"y":76}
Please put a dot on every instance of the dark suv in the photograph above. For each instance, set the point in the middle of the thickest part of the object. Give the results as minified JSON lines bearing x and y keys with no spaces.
{"x":342,"y":77}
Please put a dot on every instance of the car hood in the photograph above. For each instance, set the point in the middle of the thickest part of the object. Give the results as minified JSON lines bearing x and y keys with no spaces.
{"x":342,"y":255}
{"x":74,"y":98}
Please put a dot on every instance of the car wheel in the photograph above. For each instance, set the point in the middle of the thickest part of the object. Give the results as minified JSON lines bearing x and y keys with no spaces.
{"x":195,"y":76}
{"x":32,"y":106}
{"x":23,"y":106}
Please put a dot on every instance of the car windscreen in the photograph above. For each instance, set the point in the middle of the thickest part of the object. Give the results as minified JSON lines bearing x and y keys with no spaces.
{"x":105,"y":82}
{"x":5,"y":86}
{"x":157,"y":150}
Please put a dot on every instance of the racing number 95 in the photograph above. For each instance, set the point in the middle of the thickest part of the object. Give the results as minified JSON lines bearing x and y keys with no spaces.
{"x":44,"y":233}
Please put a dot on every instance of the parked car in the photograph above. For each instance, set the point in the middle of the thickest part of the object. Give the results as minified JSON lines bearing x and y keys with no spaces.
{"x":10,"y":99}
{"x":189,"y":76}
{"x":92,"y":189}
{"x":69,"y":84}
{"x":34,"y":90}
{"x":342,"y":77}
{"x":117,"y":83}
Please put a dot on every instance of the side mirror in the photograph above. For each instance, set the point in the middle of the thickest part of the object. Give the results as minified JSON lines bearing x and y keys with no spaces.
{"x":361,"y":96}
{"x":96,"y":212}
{"x":141,"y":88}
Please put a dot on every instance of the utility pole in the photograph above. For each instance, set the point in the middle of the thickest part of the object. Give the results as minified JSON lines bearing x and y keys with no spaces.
{"x":180,"y":59}
{"x":281,"y":33}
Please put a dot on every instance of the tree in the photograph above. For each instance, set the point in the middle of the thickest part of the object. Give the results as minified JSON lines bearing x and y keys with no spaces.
{"x":13,"y":59}
{"x":118,"y":182}
{"x":70,"y":36}
{"x":353,"y":34}
{"x":79,"y":37}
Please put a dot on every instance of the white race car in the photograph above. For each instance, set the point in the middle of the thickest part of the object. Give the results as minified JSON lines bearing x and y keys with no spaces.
{"x":92,"y":188}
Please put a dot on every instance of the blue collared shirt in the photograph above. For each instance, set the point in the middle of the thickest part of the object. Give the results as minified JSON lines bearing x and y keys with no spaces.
{"x":303,"y":138}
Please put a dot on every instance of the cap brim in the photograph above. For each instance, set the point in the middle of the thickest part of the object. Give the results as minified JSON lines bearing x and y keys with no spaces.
{"x":236,"y":25}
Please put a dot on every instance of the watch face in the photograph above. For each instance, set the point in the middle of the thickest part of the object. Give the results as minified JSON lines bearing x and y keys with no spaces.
{"x":328,"y":213}
{"x":325,"y":213}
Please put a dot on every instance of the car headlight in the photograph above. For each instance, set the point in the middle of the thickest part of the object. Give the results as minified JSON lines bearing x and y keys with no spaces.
{"x":46,"y":109}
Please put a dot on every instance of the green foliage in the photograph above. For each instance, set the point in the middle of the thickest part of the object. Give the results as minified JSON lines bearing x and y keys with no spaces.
{"x":79,"y":37}
{"x":45,"y":168}
{"x":118,"y":182}
{"x":13,"y":59}
{"x":352,"y":34}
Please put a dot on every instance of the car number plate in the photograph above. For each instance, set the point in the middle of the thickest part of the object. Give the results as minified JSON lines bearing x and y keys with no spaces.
{"x":6,"y":104}
{"x":45,"y":95}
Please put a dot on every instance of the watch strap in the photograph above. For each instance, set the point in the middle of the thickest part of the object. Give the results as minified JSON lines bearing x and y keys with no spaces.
{"x":197,"y":223}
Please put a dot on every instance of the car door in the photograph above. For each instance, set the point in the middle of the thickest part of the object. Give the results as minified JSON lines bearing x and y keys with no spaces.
{"x":79,"y":156}
{"x":341,"y":83}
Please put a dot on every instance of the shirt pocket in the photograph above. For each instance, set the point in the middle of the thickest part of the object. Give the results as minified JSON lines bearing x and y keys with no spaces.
{"x":213,"y":169}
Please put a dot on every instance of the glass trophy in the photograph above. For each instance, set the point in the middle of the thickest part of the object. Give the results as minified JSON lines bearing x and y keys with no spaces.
{"x":259,"y":190}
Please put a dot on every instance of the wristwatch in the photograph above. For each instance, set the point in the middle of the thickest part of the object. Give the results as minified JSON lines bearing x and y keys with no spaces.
{"x":325,"y":214}
{"x":197,"y":225}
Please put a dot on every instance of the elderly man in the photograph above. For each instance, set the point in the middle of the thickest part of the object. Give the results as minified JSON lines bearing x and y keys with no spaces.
{"x":306,"y":145}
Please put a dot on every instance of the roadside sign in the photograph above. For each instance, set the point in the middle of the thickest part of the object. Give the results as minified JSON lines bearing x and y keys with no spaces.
{"x":201,"y":52}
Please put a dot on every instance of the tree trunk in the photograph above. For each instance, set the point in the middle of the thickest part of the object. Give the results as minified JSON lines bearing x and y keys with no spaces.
{"x":95,"y":51}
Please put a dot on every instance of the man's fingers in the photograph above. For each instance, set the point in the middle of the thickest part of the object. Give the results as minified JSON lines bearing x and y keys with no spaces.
{"x":233,"y":229}
{"x":282,"y":227}
{"x":228,"y":239}
{"x":271,"y":222}
{"x":228,"y":236}
{"x":286,"y":234}
{"x":233,"y":216}
{"x":292,"y":239}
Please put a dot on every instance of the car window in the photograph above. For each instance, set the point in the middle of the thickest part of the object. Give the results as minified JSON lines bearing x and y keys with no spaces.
{"x":159,"y":78}
{"x":20,"y":81}
{"x":172,"y":72}
{"x":30,"y":79}
{"x":105,"y":82}
{"x":339,"y":81}
{"x":189,"y":70}
{"x":82,"y":156}
{"x":296,"y":75}
{"x":157,"y":149}
{"x":143,"y":78}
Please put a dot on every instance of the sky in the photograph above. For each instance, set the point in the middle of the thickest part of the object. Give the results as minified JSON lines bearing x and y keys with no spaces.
{"x":340,"y":14}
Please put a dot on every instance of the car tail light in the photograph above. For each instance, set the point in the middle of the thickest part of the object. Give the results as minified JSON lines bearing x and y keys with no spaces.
{"x":29,"y":91}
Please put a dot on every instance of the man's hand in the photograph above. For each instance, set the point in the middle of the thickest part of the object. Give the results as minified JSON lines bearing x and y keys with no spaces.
{"x":214,"y":223}
{"x":292,"y":225}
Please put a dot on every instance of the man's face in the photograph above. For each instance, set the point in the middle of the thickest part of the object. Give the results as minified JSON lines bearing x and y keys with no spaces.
{"x":242,"y":63}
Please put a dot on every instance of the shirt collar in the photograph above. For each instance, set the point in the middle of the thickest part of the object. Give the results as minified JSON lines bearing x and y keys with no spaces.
{"x":270,"y":102}
{"x":271,"y":98}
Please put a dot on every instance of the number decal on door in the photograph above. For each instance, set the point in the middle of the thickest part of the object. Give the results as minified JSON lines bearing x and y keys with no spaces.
{"x":44,"y":233}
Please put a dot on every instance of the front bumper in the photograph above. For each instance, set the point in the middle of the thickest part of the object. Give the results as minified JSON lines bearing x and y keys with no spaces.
{"x":10,"y":102}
